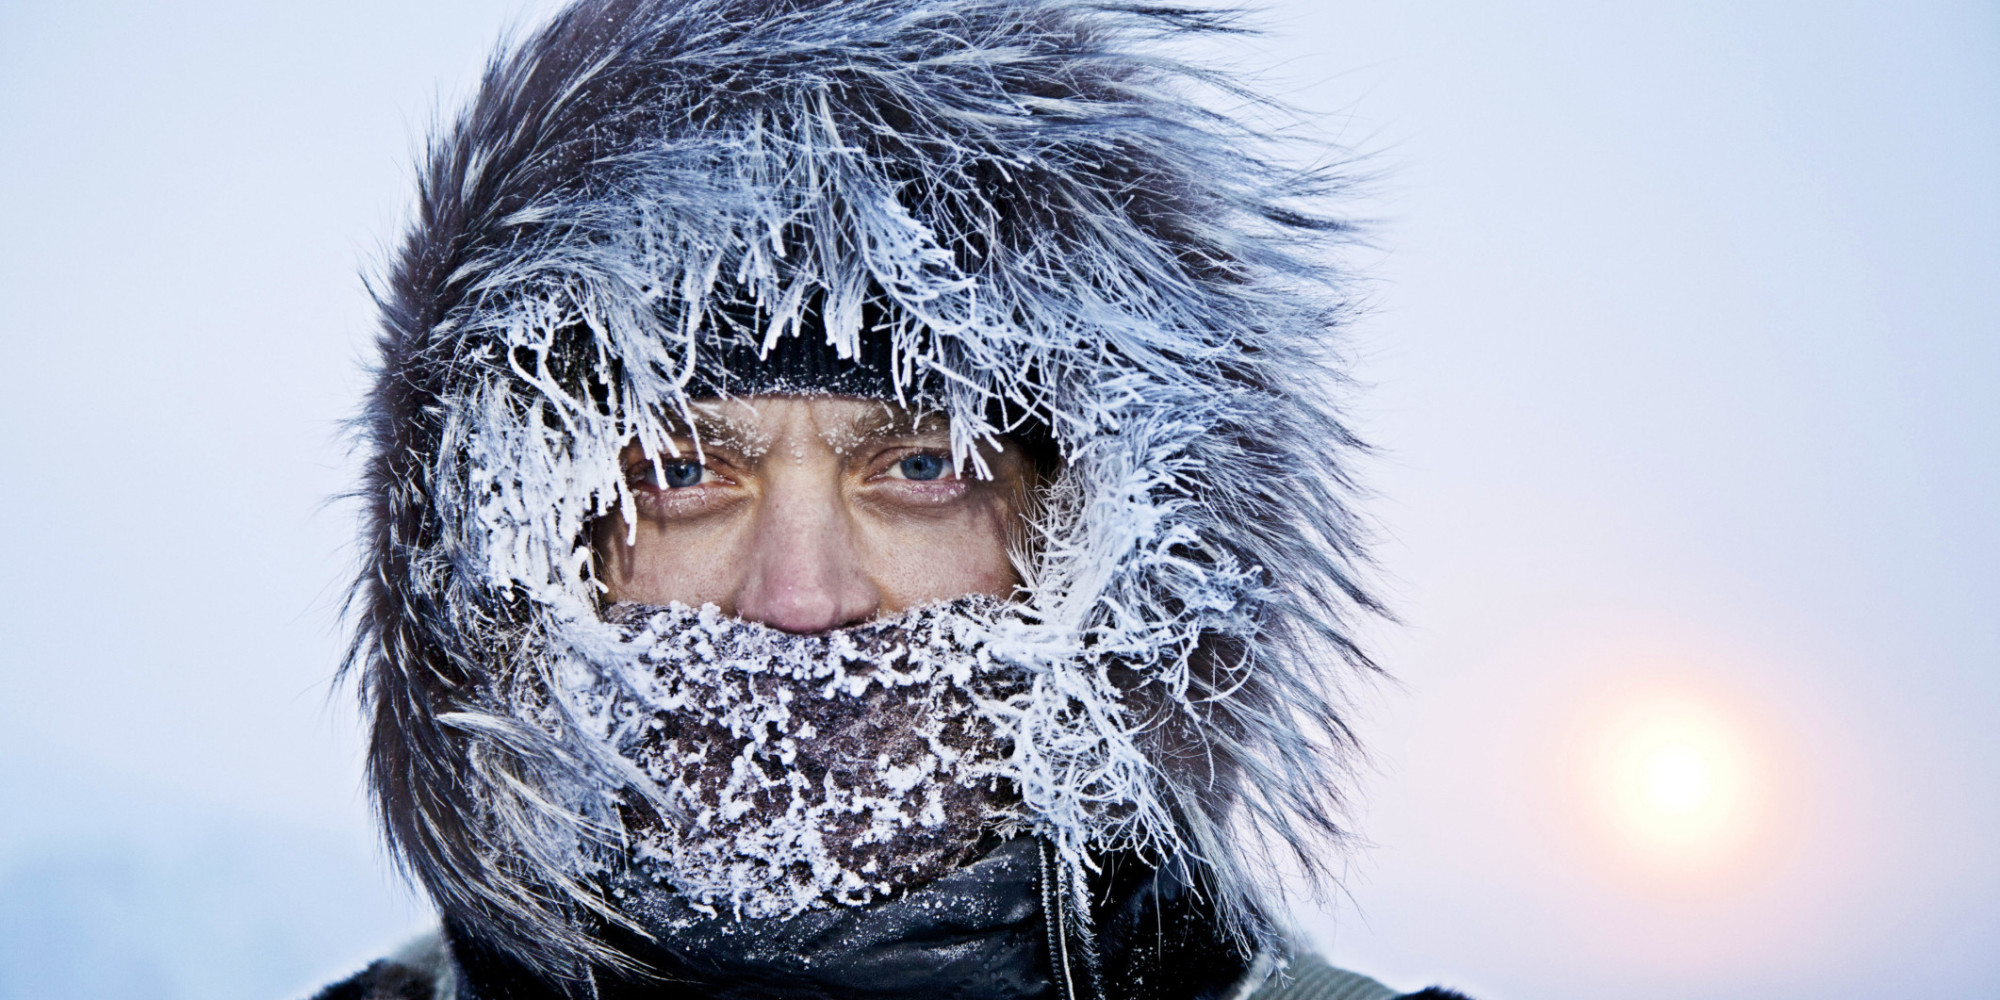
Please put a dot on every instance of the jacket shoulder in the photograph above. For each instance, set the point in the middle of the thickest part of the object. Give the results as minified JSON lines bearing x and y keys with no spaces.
{"x":1309,"y":977}
{"x":420,"y":970}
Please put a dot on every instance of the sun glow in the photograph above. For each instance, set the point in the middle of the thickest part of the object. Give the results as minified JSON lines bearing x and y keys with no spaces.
{"x":1675,"y":779}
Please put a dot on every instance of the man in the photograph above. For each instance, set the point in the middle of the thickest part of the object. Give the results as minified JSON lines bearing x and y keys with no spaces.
{"x":855,"y":512}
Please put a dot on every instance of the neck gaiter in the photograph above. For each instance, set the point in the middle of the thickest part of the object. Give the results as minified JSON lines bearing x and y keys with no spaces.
{"x":808,"y":770}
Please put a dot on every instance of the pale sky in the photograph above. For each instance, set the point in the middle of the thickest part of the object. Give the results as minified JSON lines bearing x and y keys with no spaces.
{"x":1682,"y":360}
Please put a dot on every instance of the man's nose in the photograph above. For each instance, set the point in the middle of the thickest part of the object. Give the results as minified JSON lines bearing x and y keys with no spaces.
{"x":804,"y":572}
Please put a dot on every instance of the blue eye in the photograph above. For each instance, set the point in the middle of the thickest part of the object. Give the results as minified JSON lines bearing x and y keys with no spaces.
{"x":923,"y":466}
{"x":674,"y":475}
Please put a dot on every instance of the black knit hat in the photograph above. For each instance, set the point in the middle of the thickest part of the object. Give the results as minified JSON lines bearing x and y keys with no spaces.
{"x":739,"y":362}
{"x":742,"y":361}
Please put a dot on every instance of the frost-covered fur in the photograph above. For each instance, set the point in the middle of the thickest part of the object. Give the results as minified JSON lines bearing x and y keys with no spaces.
{"x":1054,"y":231}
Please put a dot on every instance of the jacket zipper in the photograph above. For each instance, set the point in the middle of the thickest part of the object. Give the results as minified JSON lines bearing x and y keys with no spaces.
{"x":1072,"y":940}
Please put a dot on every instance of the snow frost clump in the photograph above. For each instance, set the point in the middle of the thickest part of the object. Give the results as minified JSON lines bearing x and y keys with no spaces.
{"x":808,"y":770}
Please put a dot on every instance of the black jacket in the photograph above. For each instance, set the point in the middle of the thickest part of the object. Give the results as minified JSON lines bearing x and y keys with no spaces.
{"x":978,"y":934}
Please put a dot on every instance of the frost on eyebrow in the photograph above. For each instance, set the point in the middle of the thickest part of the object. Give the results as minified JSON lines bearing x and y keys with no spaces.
{"x":734,"y":423}
{"x":888,"y":421}
{"x":857,"y":427}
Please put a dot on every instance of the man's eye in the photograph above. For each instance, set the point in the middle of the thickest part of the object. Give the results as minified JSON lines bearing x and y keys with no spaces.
{"x":672,"y":475}
{"x":922,"y":466}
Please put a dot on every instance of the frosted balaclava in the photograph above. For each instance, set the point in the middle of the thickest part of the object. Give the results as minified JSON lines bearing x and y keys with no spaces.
{"x":1020,"y":213}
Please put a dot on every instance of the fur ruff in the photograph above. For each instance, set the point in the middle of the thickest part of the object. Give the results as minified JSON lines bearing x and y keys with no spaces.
{"x":1060,"y":232}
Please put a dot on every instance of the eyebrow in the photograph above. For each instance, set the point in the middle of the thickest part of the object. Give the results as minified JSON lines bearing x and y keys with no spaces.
{"x":890,"y":421}
{"x":728,"y":428}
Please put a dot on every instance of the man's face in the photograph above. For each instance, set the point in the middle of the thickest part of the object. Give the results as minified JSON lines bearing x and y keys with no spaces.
{"x":809,"y":513}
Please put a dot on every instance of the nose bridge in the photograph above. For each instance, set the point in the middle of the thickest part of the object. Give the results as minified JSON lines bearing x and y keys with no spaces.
{"x":804,"y":573}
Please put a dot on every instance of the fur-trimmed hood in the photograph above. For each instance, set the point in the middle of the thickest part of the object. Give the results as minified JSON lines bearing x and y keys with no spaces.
{"x":1034,"y":209}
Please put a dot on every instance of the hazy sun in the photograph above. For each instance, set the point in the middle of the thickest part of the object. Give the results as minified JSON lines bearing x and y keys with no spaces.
{"x":1675,"y":778}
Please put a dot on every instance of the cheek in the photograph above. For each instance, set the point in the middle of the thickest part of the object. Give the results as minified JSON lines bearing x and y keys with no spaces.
{"x":915,"y":562}
{"x":691,"y":564}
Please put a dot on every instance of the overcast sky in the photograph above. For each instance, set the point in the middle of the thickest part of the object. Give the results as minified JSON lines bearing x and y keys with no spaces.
{"x":1682,"y":360}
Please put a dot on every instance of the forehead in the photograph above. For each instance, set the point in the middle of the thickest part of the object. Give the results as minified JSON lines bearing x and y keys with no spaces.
{"x":840,"y":421}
